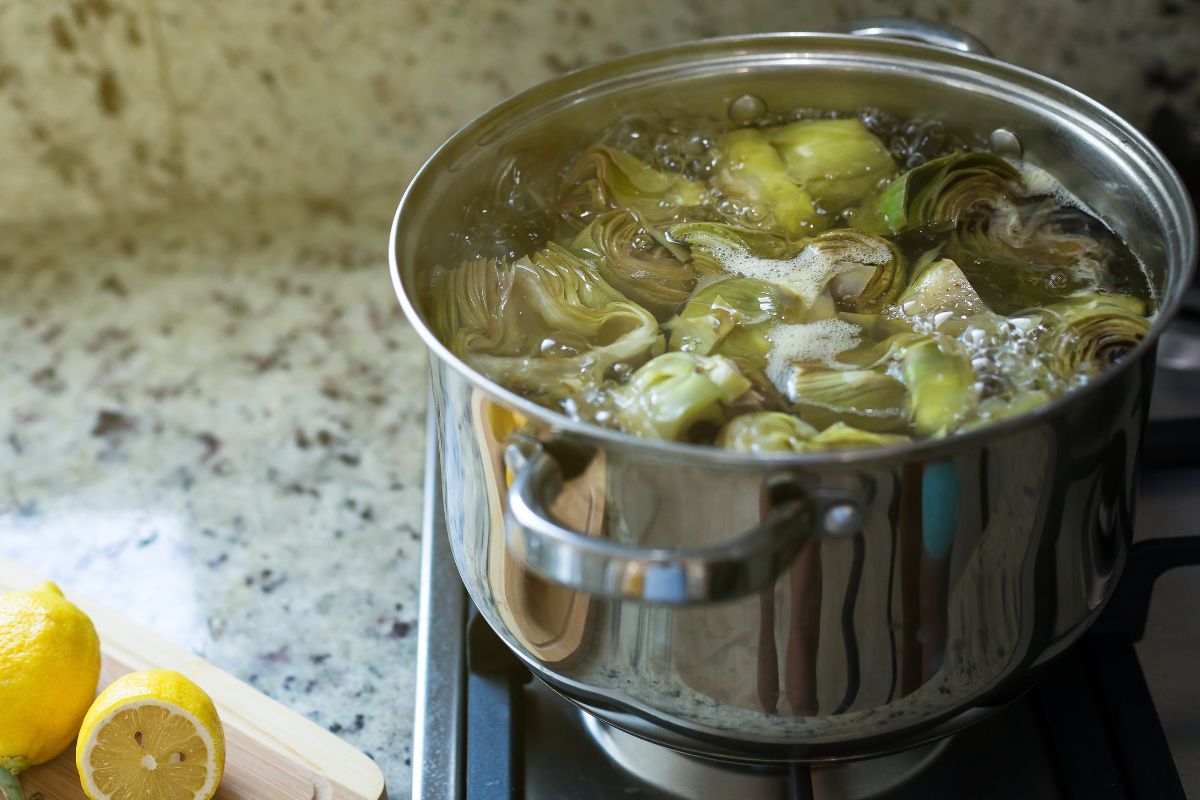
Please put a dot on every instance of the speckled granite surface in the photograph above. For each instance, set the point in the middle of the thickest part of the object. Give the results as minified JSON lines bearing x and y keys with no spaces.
{"x":145,"y":104}
{"x":211,"y":419}
{"x":213,"y":425}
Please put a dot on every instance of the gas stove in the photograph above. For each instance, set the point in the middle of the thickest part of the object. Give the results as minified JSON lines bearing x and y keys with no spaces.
{"x":1091,"y":729}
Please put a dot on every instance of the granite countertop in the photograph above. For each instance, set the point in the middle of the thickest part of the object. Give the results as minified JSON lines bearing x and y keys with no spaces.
{"x":214,"y":425}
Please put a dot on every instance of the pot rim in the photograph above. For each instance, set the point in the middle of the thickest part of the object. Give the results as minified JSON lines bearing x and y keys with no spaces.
{"x":581,"y":82}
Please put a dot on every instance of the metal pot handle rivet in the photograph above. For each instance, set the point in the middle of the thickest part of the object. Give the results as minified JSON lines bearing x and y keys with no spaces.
{"x":660,"y":575}
{"x":917,"y":30}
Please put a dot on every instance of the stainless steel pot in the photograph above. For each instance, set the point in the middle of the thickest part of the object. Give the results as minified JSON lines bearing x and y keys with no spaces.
{"x":800,"y":607}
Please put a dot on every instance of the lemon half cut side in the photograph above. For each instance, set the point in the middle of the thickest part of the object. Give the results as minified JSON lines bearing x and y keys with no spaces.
{"x":151,"y":736}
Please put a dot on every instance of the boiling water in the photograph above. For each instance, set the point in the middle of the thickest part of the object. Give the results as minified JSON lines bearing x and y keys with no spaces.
{"x":1016,"y":282}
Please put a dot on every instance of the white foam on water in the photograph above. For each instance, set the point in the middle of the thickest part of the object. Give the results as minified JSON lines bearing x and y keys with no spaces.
{"x":812,"y":341}
{"x":1038,"y":181}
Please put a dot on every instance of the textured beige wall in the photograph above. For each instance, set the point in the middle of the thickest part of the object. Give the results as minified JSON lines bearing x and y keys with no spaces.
{"x":117,"y":106}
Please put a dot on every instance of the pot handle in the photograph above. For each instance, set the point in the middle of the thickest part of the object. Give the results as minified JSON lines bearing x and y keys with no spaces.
{"x":934,"y":33}
{"x":659,"y":575}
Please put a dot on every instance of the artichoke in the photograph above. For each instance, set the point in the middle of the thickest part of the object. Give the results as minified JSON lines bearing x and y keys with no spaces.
{"x":941,"y":386}
{"x":752,"y":175}
{"x":1091,"y":331}
{"x":940,"y":292}
{"x":864,"y":398}
{"x":866,"y":272}
{"x":837,"y":161}
{"x":1024,"y":260}
{"x":774,"y":432}
{"x":944,"y":190}
{"x":639,"y":261}
{"x":1002,"y":407}
{"x":765,"y":432}
{"x":605,"y":178}
{"x":672,"y":393}
{"x":733,"y":317}
{"x":546,"y":325}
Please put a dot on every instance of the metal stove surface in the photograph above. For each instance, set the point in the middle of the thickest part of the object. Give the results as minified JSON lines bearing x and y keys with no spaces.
{"x":1090,"y":729}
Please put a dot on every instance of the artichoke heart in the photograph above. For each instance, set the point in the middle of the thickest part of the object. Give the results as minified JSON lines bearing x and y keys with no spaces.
{"x":640,"y":262}
{"x":1091,"y":331}
{"x":869,"y":400}
{"x":838,"y":161}
{"x":546,"y":325}
{"x":943,"y":190}
{"x":672,"y":393}
{"x":605,"y":178}
{"x":941,"y":386}
{"x":752,"y":175}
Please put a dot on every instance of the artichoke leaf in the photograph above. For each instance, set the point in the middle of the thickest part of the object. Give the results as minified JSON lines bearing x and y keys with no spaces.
{"x":547,"y":325}
{"x":941,"y":385}
{"x":943,"y":190}
{"x":1001,"y":407}
{"x":866,"y":272}
{"x":838,"y":161}
{"x":840,"y":436}
{"x":672,"y":393}
{"x":605,"y":178}
{"x":751,"y":173}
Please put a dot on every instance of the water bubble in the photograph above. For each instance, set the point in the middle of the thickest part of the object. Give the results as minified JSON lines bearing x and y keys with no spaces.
{"x":746,"y":109}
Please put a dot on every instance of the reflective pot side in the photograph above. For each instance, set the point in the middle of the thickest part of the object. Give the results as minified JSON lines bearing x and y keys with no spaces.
{"x":970,"y":571}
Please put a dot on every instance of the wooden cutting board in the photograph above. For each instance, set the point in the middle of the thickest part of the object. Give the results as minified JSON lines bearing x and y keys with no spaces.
{"x":273,"y":753}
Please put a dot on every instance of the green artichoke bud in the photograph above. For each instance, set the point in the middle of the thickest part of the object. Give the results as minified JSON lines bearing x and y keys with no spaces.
{"x":546,"y":326}
{"x":863,"y":398}
{"x":1091,"y":331}
{"x":672,"y":393}
{"x":639,"y":261}
{"x":944,"y":190}
{"x":605,"y":178}
{"x":751,"y":173}
{"x":941,"y":387}
{"x":838,"y":161}
{"x":765,"y":432}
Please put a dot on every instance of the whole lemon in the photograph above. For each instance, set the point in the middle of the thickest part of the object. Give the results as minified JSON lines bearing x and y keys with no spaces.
{"x":49,"y":670}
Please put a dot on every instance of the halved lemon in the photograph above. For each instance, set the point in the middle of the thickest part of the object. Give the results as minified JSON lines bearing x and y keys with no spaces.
{"x":151,"y":735}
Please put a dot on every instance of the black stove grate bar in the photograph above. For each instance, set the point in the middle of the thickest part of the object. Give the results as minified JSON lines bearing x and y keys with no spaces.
{"x":494,"y":680}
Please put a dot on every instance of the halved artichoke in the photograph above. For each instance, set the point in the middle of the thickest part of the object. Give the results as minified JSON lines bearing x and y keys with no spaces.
{"x":866,"y":399}
{"x":640,"y":262}
{"x":941,"y":385}
{"x":775,"y":432}
{"x":944,"y":190}
{"x":752,"y":175}
{"x":939,"y":293}
{"x":765,"y":432}
{"x":605,"y":178}
{"x":866,"y":272}
{"x":733,"y":317}
{"x":1091,"y":331}
{"x":838,"y":161}
{"x":546,"y":325}
{"x":668,"y":396}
